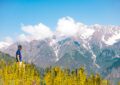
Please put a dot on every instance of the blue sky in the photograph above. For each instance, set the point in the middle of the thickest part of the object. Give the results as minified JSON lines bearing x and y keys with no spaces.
{"x":13,"y":13}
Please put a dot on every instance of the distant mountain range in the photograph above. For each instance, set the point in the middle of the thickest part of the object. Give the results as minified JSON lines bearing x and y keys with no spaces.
{"x":96,"y":47}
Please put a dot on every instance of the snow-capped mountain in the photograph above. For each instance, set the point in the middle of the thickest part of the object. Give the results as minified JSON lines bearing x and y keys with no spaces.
{"x":97,"y":47}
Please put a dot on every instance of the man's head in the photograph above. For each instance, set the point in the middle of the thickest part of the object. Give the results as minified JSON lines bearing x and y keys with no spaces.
{"x":20,"y":47}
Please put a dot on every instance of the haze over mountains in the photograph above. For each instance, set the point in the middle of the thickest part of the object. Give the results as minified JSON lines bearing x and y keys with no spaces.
{"x":73,"y":44}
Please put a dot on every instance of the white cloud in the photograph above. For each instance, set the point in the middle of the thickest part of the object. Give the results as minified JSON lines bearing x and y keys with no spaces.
{"x":9,"y":40}
{"x":22,"y":38}
{"x":36,"y":32}
{"x":67,"y":26}
{"x":6,"y":42}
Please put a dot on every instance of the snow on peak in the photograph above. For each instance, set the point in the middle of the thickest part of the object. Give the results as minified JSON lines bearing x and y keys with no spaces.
{"x":113,"y":39}
{"x":85,"y":33}
{"x":53,"y":44}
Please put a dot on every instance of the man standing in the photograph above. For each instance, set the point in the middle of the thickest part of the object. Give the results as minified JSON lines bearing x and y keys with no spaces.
{"x":19,"y":55}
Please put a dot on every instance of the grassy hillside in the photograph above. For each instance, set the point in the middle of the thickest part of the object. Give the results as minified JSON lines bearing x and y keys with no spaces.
{"x":7,"y":58}
{"x":13,"y":74}
{"x":28,"y":75}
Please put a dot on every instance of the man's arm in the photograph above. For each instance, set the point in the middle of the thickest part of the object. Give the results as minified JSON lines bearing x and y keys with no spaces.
{"x":18,"y":58}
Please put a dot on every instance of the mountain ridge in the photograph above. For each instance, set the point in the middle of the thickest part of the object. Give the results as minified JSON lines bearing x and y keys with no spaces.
{"x":85,"y":47}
